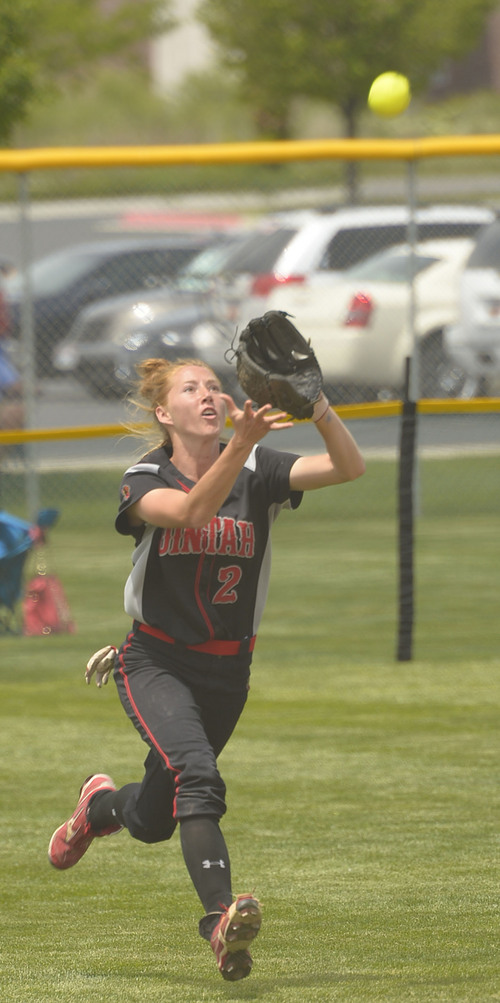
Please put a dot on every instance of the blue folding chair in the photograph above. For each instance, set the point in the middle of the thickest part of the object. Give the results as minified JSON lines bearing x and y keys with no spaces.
{"x":17,"y":537}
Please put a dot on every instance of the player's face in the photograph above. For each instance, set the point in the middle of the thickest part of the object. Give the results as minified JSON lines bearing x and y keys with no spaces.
{"x":194,"y":403}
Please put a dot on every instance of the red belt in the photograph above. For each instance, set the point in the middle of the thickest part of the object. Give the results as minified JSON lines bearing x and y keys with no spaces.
{"x":209,"y":647}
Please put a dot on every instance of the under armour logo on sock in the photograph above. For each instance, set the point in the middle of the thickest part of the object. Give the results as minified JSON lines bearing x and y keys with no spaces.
{"x":207,"y":864}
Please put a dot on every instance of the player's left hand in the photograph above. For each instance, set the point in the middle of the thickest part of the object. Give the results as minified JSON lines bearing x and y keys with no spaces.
{"x":102,"y":663}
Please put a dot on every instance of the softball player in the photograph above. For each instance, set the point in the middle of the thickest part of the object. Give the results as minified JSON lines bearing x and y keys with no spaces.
{"x":200,"y":514}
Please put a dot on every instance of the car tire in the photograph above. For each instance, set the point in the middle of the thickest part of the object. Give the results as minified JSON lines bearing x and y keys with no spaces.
{"x":438,"y":374}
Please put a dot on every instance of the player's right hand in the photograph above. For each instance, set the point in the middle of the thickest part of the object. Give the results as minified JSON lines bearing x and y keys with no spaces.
{"x":251,"y":425}
{"x":102,"y":663}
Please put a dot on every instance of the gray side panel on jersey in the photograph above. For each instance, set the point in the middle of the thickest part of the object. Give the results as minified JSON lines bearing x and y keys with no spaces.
{"x":134,"y":586}
{"x":265,"y":571}
{"x":251,"y":462}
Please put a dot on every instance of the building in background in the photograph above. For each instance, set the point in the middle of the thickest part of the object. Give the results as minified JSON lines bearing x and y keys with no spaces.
{"x":187,"y":49}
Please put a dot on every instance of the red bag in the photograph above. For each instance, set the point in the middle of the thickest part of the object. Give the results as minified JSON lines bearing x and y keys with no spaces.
{"x":45,"y":607}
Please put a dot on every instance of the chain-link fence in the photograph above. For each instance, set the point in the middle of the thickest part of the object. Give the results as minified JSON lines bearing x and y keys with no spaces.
{"x":112,"y":256}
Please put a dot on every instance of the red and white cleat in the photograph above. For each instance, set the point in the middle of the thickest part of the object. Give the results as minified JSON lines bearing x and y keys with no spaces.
{"x":72,"y":839}
{"x":237,"y":927}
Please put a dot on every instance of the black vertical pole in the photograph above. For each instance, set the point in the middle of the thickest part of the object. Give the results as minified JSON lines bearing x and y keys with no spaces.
{"x":407,"y":459}
{"x":405,"y":523}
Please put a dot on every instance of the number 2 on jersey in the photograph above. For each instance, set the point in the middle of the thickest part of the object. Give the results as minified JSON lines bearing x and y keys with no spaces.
{"x":229,"y":578}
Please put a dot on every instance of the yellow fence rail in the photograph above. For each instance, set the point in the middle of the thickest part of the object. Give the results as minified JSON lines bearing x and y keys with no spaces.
{"x":279,"y":151}
{"x":378,"y":409}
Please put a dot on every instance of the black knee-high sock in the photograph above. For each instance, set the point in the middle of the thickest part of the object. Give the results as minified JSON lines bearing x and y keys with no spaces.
{"x":106,"y":807}
{"x":207,"y":860}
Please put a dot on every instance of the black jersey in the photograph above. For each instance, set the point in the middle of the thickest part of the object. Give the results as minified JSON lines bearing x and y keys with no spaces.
{"x":206,"y":584}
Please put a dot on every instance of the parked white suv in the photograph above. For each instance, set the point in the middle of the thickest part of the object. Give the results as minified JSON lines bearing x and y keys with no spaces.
{"x":329,"y":243}
{"x":473,"y":342}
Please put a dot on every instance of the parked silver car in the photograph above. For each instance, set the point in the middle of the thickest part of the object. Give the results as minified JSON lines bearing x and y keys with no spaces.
{"x":64,"y":282}
{"x":208,"y":290}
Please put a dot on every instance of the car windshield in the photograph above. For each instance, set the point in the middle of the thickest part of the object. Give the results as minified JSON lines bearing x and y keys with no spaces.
{"x":252,"y":253}
{"x":392,"y":265}
{"x":207,"y":264}
{"x":54,"y":273}
{"x":260,"y":251}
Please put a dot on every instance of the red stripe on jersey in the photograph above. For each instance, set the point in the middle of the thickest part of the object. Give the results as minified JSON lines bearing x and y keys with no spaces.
{"x":208,"y":647}
{"x":198,"y":598}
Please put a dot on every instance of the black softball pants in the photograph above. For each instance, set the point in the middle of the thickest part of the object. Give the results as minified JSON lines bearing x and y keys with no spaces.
{"x":185,"y":706}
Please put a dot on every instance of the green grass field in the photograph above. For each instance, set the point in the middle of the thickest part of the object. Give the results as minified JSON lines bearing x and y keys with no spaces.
{"x":362,"y":792}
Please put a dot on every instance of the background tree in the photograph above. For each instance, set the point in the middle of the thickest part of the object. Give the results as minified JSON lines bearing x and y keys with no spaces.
{"x":50,"y":44}
{"x":256,"y":39}
{"x":17,"y":66}
{"x":331,"y":52}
